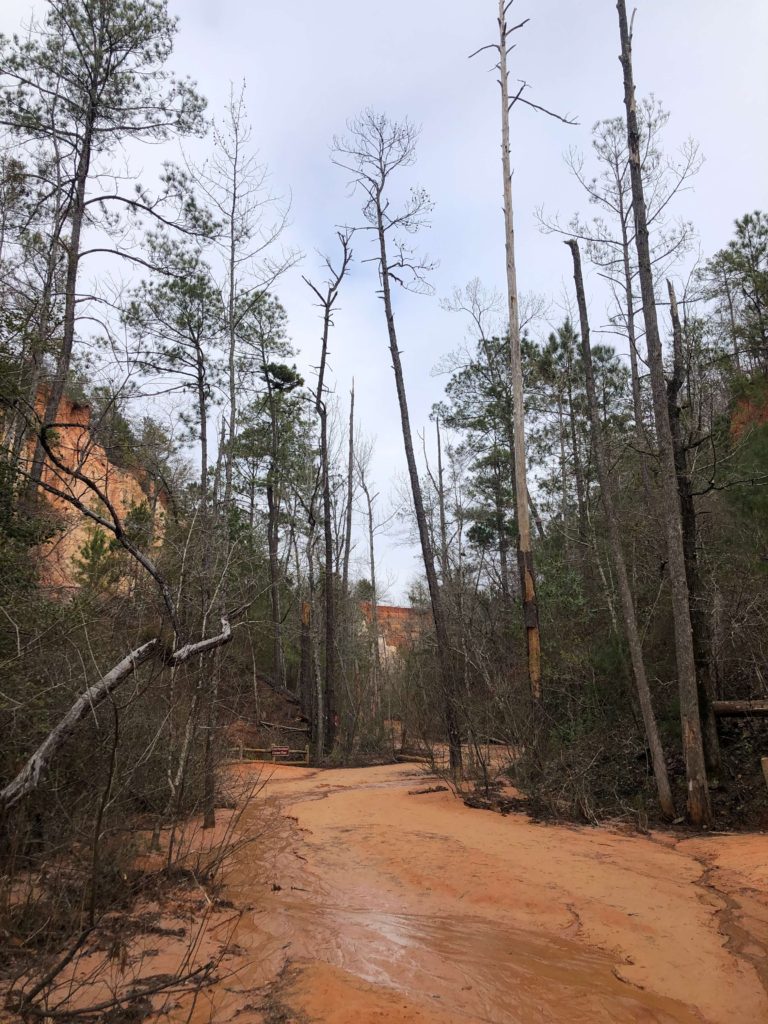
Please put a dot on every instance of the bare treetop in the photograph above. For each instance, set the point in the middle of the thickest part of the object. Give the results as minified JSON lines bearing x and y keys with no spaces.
{"x":372,"y":149}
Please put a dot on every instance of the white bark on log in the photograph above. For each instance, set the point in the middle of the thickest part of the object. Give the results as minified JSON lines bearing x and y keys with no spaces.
{"x":737,"y":708}
{"x":30,"y":775}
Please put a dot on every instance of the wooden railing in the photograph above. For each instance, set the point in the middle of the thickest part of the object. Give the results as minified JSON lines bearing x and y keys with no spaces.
{"x":273,"y":755}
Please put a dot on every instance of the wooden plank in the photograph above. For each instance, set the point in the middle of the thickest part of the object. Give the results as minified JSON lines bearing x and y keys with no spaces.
{"x":737,"y":708}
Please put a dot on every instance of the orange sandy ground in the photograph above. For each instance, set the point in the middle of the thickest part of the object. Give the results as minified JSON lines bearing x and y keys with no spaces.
{"x":366,"y":901}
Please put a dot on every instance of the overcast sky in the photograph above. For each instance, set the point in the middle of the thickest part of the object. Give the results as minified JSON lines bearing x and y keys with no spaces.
{"x":310,"y":65}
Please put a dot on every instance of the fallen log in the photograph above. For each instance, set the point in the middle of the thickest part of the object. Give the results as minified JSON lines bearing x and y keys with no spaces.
{"x":30,"y":775}
{"x":285,"y":728}
{"x":737,"y":708}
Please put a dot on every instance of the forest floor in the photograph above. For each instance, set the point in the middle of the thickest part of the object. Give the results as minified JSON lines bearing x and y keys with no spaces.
{"x":374,"y":895}
{"x":377,"y":900}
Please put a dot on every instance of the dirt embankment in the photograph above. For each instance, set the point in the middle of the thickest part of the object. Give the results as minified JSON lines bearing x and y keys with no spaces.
{"x":377,"y":903}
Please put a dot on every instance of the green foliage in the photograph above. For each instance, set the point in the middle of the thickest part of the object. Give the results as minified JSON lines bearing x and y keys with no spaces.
{"x":736,"y":278}
{"x":748,"y":465}
{"x":93,"y":564}
{"x":102,"y":63}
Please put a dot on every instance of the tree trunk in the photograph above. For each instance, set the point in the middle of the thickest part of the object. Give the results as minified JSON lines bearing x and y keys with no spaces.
{"x":438,"y":614}
{"x":524,"y":549}
{"x":614,"y":541}
{"x":64,"y":360}
{"x":329,"y":587}
{"x":30,"y":775}
{"x":739,"y":708}
{"x":578,"y":468}
{"x":327,"y":301}
{"x":318,"y":698}
{"x":274,"y":586}
{"x":350,"y":497}
{"x":702,"y":647}
{"x":444,"y":567}
{"x":699,"y":807}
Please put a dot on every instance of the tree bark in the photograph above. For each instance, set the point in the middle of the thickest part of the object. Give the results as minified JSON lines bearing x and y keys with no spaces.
{"x":631,"y":630}
{"x":327,"y":301}
{"x":64,"y":360}
{"x":702,"y":648}
{"x":274,"y":586}
{"x":350,"y":496}
{"x":374,"y":601}
{"x":438,"y":612}
{"x":739,"y":708}
{"x":30,"y":775}
{"x":699,"y":808}
{"x":524,"y":548}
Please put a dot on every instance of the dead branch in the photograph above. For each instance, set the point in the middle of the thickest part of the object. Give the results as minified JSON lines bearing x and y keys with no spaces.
{"x":28,"y":778}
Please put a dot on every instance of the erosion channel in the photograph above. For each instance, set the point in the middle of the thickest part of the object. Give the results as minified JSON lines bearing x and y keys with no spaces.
{"x":371,"y":901}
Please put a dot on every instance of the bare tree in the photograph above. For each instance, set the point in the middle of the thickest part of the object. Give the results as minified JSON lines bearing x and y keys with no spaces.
{"x":373,"y":150}
{"x":252,"y":221}
{"x":327,"y":297}
{"x":699,"y":807}
{"x":609,"y":236}
{"x":524,"y":546}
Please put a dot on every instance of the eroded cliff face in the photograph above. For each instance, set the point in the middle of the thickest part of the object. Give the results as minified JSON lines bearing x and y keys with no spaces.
{"x":748,"y":414}
{"x":125,"y":489}
{"x":399,"y":628}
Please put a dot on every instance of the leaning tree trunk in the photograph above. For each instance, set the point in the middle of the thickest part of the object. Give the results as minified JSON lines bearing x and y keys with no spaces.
{"x":524,"y":548}
{"x":28,"y":779}
{"x":699,"y":807}
{"x":614,"y":542}
{"x":438,"y":611}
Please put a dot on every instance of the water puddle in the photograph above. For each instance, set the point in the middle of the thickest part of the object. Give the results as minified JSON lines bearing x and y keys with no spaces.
{"x":469,"y":967}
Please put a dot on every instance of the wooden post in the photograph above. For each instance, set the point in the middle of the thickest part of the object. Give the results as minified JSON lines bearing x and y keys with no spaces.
{"x":764,"y":763}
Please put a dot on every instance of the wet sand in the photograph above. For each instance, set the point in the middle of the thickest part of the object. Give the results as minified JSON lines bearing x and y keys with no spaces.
{"x":371,"y":902}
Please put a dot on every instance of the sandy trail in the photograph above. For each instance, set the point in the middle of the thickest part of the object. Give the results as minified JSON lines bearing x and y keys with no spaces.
{"x":389,"y":905}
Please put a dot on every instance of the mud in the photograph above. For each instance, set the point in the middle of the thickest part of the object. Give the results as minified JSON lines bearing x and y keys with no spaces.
{"x":376,"y":902}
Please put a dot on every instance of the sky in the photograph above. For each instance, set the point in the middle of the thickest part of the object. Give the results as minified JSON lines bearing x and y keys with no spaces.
{"x":309,"y":66}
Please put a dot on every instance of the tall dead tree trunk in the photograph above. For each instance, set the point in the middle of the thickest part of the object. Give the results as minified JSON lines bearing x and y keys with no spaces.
{"x":702,"y":647}
{"x":327,"y":301}
{"x":699,"y":808}
{"x":438,"y":611}
{"x":377,"y":148}
{"x":524,"y":547}
{"x":350,"y":497}
{"x":631,"y":630}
